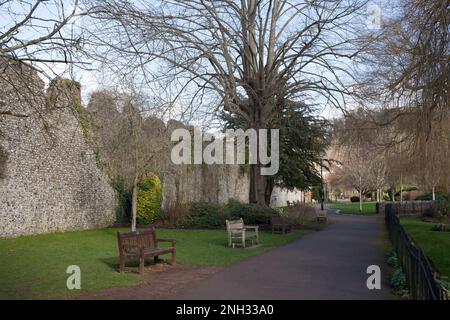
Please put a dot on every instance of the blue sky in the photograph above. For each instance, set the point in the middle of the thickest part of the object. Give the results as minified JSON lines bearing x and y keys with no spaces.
{"x":92,"y":80}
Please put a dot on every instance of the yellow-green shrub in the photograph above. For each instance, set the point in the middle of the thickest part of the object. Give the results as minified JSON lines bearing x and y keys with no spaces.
{"x":149,"y":199}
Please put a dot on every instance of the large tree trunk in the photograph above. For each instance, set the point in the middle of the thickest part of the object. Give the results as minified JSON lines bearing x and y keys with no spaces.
{"x":257,"y":185}
{"x":257,"y":181}
{"x":269,"y":189}
{"x":134,"y":204}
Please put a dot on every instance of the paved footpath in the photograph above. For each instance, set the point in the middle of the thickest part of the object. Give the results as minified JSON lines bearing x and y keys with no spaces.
{"x":329,"y":264}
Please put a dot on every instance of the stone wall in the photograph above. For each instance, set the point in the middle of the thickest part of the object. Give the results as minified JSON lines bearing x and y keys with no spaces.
{"x":209,"y":183}
{"x":51,"y":180}
{"x":217,"y":183}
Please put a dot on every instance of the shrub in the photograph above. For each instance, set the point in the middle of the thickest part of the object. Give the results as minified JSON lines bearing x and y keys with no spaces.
{"x":354,"y":199}
{"x":392,"y":258}
{"x":281,"y":211}
{"x":393,"y":261}
{"x":300,"y":213}
{"x":149,"y":199}
{"x":176,"y":212}
{"x":391,"y":252}
{"x":398,"y":280}
{"x":438,"y":210}
{"x":203,"y":215}
{"x":251,"y":213}
{"x":123,"y":209}
{"x":439,"y":196}
{"x":209,"y":215}
{"x":441,"y":228}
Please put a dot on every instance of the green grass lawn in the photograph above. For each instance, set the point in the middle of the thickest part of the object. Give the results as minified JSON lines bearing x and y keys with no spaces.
{"x":436,"y":245}
{"x":34,"y":267}
{"x":353,"y":207}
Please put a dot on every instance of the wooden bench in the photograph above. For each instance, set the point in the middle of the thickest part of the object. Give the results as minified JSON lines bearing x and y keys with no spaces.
{"x":280,"y":225}
{"x":237,"y":230}
{"x":321,"y":215}
{"x":141,"y":244}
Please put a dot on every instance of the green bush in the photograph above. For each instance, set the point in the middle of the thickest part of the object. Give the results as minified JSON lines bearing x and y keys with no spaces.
{"x":281,"y":211}
{"x":392,"y":258}
{"x":391,"y":252}
{"x":123,"y":209}
{"x":209,"y":215}
{"x":398,"y":280}
{"x":149,"y":199}
{"x":251,"y":213}
{"x":393,"y":261}
{"x":354,"y":199}
{"x":203,"y":215}
{"x":439,"y":196}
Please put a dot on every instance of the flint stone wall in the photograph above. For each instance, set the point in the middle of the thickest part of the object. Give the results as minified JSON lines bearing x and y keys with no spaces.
{"x":51,"y":180}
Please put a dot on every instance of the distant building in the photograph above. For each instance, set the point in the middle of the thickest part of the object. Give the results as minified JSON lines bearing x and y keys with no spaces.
{"x":280,"y":197}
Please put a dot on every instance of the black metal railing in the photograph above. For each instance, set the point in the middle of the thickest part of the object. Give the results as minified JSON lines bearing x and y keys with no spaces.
{"x":419,"y":271}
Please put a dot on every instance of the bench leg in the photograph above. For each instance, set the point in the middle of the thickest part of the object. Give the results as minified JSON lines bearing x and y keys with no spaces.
{"x":122,"y":265}
{"x":141,"y":264}
{"x":173,"y":261}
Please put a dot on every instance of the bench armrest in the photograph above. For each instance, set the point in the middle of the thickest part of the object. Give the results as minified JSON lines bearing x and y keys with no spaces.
{"x":252,"y":227}
{"x":173,"y":241}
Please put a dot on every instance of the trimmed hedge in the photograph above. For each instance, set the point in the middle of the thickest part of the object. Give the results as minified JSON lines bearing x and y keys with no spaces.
{"x":354,"y":199}
{"x":149,"y":199}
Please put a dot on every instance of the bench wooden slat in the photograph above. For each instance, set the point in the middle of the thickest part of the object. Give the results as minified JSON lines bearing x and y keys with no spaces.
{"x":142,"y":244}
{"x":237,"y":230}
{"x":280,"y":225}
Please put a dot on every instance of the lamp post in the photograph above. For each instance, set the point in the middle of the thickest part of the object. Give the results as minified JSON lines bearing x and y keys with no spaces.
{"x":321,"y":180}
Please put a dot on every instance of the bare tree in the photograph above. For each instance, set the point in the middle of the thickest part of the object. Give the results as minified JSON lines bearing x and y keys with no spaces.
{"x":39,"y":31}
{"x":37,"y":38}
{"x":377,"y":174}
{"x":130,"y":139}
{"x":409,"y":74}
{"x":246,"y":56}
{"x":356,"y":170}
